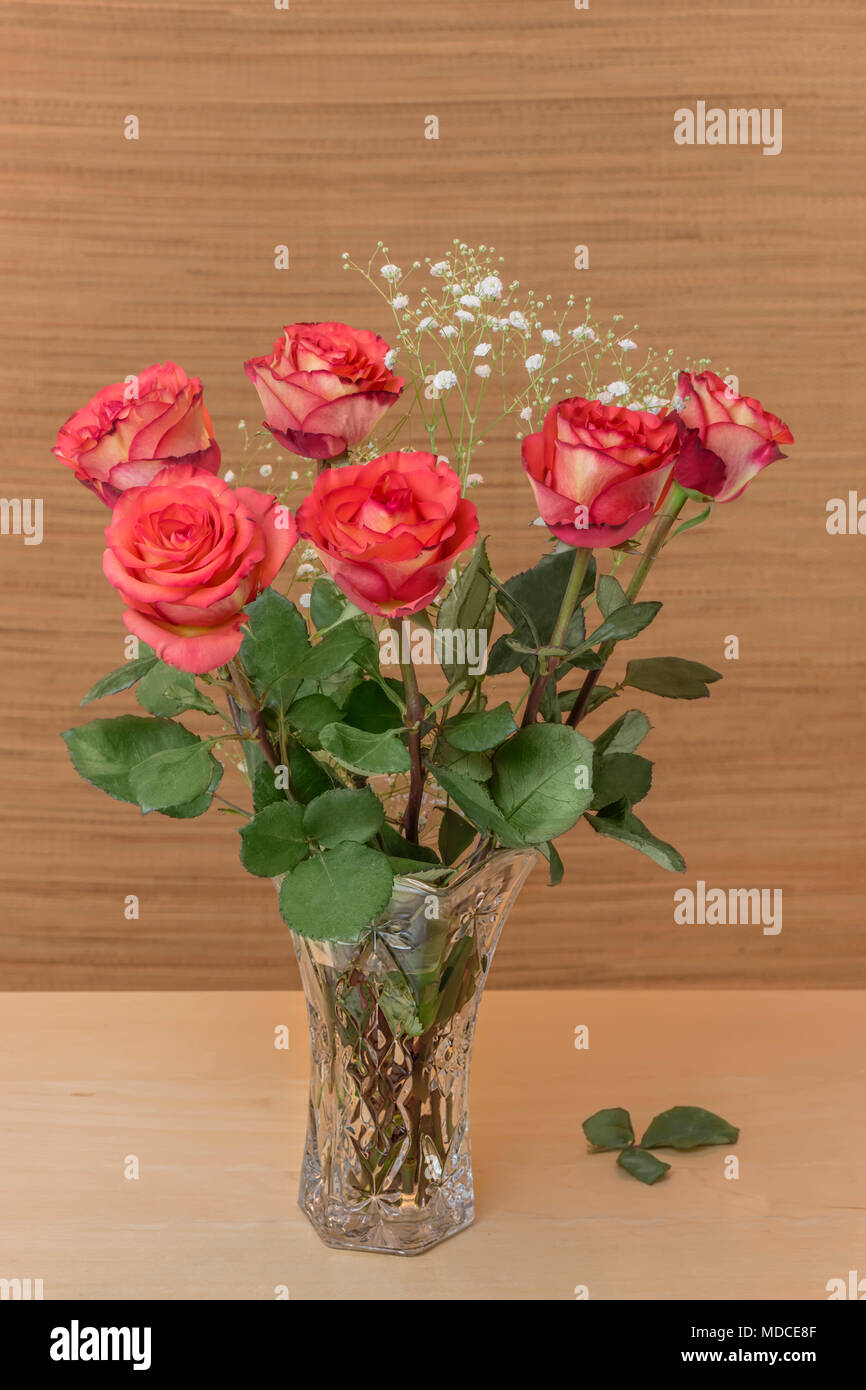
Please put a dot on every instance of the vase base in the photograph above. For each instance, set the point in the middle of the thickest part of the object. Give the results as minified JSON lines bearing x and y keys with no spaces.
{"x":381,"y":1234}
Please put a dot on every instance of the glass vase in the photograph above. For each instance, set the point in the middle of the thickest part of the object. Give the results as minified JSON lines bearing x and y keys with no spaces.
{"x":387,"y":1164}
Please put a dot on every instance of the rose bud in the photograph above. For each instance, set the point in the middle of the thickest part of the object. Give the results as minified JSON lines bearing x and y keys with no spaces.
{"x":597,"y":470}
{"x":388,"y":531}
{"x":130,"y":431}
{"x":726,"y":439}
{"x":186,"y":552}
{"x":324,"y":387}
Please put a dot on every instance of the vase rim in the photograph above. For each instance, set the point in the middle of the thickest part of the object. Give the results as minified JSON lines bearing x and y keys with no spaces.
{"x":529,"y":852}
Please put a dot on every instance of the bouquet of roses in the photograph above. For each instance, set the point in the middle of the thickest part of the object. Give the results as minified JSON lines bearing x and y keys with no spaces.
{"x":358,"y":774}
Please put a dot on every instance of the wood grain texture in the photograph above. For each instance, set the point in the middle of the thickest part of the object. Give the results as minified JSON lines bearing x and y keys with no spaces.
{"x":192,"y":1086}
{"x":305,"y":127}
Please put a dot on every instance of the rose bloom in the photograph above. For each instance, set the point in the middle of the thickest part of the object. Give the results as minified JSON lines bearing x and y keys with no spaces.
{"x":324,"y":387}
{"x":726,"y":439}
{"x":388,"y":531}
{"x":598,"y":471}
{"x":187,"y":552}
{"x":130,"y":431}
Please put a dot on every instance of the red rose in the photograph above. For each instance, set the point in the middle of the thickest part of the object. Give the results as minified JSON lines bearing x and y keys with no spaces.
{"x":389,"y":531}
{"x":187,"y":552}
{"x":324,"y":387}
{"x":598,"y":471}
{"x":130,"y":431}
{"x":726,"y":438}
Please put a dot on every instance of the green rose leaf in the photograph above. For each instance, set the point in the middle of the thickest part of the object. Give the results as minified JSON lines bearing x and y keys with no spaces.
{"x":477,"y":804}
{"x":621,"y":624}
{"x":455,"y":835}
{"x":328,"y":604}
{"x":672,"y":677}
{"x":265,"y":789}
{"x":397,"y":847}
{"x":331,"y":652}
{"x":199,"y":804}
{"x":557,"y":868}
{"x":121,"y":679}
{"x":475,"y":765}
{"x":164,"y":691}
{"x":537,"y":780}
{"x":274,"y":645}
{"x":274,"y":841}
{"x":598,"y":696}
{"x":369,"y":708}
{"x":474,"y":733}
{"x":309,"y":777}
{"x":334,"y":896}
{"x":538,"y":593}
{"x":468,"y":607}
{"x":609,"y":1129}
{"x":116,"y":755}
{"x":344,"y":814}
{"x":624,"y":734}
{"x":621,"y":824}
{"x":609,"y":595}
{"x":309,"y":715}
{"x":620,"y":777}
{"x":642,"y":1165}
{"x":688,"y":1127}
{"x":369,"y":754}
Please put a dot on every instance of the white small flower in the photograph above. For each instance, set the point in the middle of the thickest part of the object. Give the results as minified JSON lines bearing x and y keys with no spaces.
{"x":242,"y":424}
{"x":470,"y":301}
{"x":390,"y":273}
{"x":241,"y":767}
{"x":584,"y":333}
{"x":550,"y":335}
{"x":448,"y":331}
{"x":443,"y":458}
{"x":228,"y":476}
{"x":482,"y":349}
{"x":482,"y":369}
{"x":464,"y":316}
{"x":677,"y":403}
{"x":490,"y":287}
{"x":308,"y":553}
{"x":399,"y":301}
{"x":526,"y":413}
{"x":535,"y":362}
{"x":627,"y":344}
{"x":304,"y":600}
{"x":440,"y":269}
{"x":305,"y":571}
{"x":516,"y":319}
{"x":427,"y":322}
{"x":444,"y":381}
{"x":456,"y":289}
{"x":474,"y":480}
{"x":266,"y":470}
{"x":390,"y":358}
{"x":605,"y":397}
{"x":654,"y":402}
{"x":294,"y":475}
{"x":617,"y":388}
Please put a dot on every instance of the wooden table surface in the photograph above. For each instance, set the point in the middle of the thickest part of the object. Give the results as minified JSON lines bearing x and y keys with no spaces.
{"x":192,"y":1085}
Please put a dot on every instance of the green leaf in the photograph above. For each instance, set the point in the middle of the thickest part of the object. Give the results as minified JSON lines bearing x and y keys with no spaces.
{"x":370,"y":709}
{"x":337,"y":894}
{"x":539,"y":593}
{"x":328,"y":604}
{"x":309,"y":777}
{"x":609,"y":1129}
{"x":609,"y":595}
{"x":502,"y":657}
{"x":309,"y":715}
{"x":164,"y":690}
{"x":624,"y":734}
{"x":188,"y":810}
{"x":622,"y":623}
{"x":273,"y":647}
{"x":274,"y":841}
{"x":557,"y":868}
{"x":477,"y":804}
{"x":618,"y":777}
{"x":265,"y":789}
{"x":344,"y":814}
{"x":454,"y":978}
{"x":536,"y":780}
{"x":171,"y":776}
{"x":107,"y":752}
{"x":598,"y":696}
{"x":688,"y":1127}
{"x":475,"y":765}
{"x":400,"y":1006}
{"x":455,"y":835}
{"x":642,"y":1165}
{"x":672,"y":677}
{"x":331,"y":652}
{"x":369,"y":754}
{"x":619,"y":823}
{"x":121,"y":679}
{"x":468,"y":607}
{"x":397,"y":847}
{"x":474,"y":733}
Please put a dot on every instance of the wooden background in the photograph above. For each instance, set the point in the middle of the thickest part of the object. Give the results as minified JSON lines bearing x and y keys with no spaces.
{"x":305,"y":127}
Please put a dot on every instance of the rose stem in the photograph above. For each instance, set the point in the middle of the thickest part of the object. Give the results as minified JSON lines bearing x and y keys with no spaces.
{"x":414,"y":715}
{"x":246,"y":700}
{"x":677,"y":498}
{"x":566,"y":612}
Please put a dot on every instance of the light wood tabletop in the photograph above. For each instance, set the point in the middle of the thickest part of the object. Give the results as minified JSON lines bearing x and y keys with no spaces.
{"x":192,"y":1086}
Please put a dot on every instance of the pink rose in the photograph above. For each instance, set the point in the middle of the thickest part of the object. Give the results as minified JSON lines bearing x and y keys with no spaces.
{"x":726,"y":439}
{"x":388,"y":531}
{"x":324,"y":387}
{"x":597,"y":470}
{"x":130,"y":431}
{"x":187,"y":552}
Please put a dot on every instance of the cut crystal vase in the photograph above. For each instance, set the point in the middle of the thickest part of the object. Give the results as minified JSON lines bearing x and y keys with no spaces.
{"x":387,"y":1164}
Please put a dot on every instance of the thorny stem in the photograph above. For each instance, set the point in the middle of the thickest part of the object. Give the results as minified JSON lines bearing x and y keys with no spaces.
{"x":414,"y":715}
{"x":243,"y":699}
{"x":566,"y":613}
